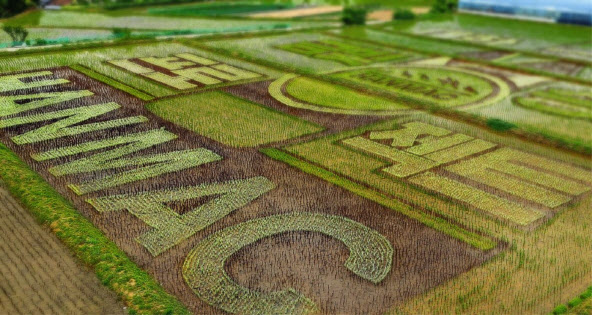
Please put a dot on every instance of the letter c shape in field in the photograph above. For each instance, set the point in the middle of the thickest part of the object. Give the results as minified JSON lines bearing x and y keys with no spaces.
{"x":371,"y":256}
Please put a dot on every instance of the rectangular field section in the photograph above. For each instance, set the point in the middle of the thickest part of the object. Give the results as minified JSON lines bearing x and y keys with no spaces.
{"x":231,"y":120}
{"x":417,"y":158}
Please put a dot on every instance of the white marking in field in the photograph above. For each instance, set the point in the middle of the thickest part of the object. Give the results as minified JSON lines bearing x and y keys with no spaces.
{"x":439,"y":61}
{"x":526,"y":80}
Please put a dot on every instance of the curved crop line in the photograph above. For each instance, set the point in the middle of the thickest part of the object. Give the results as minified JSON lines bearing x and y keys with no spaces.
{"x":275,"y":90}
{"x":371,"y":256}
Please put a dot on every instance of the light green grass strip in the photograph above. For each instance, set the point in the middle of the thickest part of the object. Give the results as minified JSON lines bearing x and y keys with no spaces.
{"x":89,"y":244}
{"x":439,"y":224}
{"x":118,"y":85}
{"x":231,"y":120}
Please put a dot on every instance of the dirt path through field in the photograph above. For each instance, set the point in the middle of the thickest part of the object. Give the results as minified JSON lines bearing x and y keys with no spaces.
{"x":38,"y":275}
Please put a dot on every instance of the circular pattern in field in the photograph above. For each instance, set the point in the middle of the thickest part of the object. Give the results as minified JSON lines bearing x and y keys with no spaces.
{"x":425,"y":86}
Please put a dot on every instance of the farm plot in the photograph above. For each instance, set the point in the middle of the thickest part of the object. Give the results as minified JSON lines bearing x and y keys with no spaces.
{"x":552,"y":109}
{"x":39,"y":275}
{"x":450,"y":85}
{"x":393,"y":163}
{"x":310,"y":52}
{"x":506,"y":57}
{"x":231,"y":120}
{"x":78,"y":19}
{"x":550,"y":39}
{"x":150,"y":68}
{"x":165,"y":194}
{"x":506,"y":183}
{"x":217,"y":9}
{"x":316,"y":95}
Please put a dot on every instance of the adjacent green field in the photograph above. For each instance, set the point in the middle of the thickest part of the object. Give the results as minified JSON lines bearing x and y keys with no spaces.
{"x":505,"y":33}
{"x":58,"y":33}
{"x":404,"y":41}
{"x":300,"y":51}
{"x":216,"y":9}
{"x":549,"y":118}
{"x":312,"y":94}
{"x":561,"y":102}
{"x":231,"y":120}
{"x":79,"y":19}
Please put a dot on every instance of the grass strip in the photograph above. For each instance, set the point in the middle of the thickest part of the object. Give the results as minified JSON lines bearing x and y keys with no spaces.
{"x":439,"y":224}
{"x":118,"y":85}
{"x":140,"y":292}
{"x":573,"y":306}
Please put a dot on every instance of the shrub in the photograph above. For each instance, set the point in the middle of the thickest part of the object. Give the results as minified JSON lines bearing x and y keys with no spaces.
{"x":122,"y":33}
{"x":586,"y":294}
{"x":499,"y":125}
{"x":403,"y":14}
{"x":560,"y":309}
{"x":574,"y":302}
{"x":17,"y":33}
{"x":444,"y":6}
{"x":354,"y":16}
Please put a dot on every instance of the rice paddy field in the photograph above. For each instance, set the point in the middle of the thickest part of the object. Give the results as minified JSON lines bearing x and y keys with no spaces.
{"x":215,"y":158}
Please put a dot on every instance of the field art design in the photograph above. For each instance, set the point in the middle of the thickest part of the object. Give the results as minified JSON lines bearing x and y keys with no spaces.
{"x":250,"y":158}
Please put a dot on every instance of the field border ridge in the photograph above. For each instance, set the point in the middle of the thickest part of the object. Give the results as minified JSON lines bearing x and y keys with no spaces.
{"x":134,"y":286}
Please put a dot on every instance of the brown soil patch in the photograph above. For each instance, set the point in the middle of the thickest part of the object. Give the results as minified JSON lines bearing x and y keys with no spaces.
{"x":308,"y":262}
{"x":286,"y":14}
{"x":39,"y":274}
{"x":420,"y":10}
{"x":485,"y":55}
{"x":381,"y":15}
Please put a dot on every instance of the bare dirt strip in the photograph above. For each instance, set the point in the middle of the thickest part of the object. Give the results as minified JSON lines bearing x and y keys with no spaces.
{"x":38,"y":274}
{"x":308,"y":262}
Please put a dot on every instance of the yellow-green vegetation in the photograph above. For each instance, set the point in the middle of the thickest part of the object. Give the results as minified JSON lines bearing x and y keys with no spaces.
{"x":477,"y":198}
{"x":231,"y":120}
{"x":328,"y":97}
{"x":580,"y":305}
{"x":434,"y":222}
{"x":115,"y":270}
{"x":107,"y":80}
{"x":371,"y":256}
{"x":429,"y":86}
{"x":498,"y":170}
{"x":169,"y":227}
{"x":365,"y":156}
{"x":562,"y":102}
{"x":347,"y":53}
{"x":187,"y":68}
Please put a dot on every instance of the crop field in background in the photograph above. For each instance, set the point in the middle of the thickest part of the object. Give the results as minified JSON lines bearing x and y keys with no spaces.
{"x":437,"y":166}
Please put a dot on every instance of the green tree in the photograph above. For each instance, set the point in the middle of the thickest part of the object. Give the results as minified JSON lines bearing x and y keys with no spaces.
{"x":444,"y":6}
{"x":354,"y":16}
{"x":12,"y":7}
{"x":403,"y":14}
{"x":17,"y":33}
